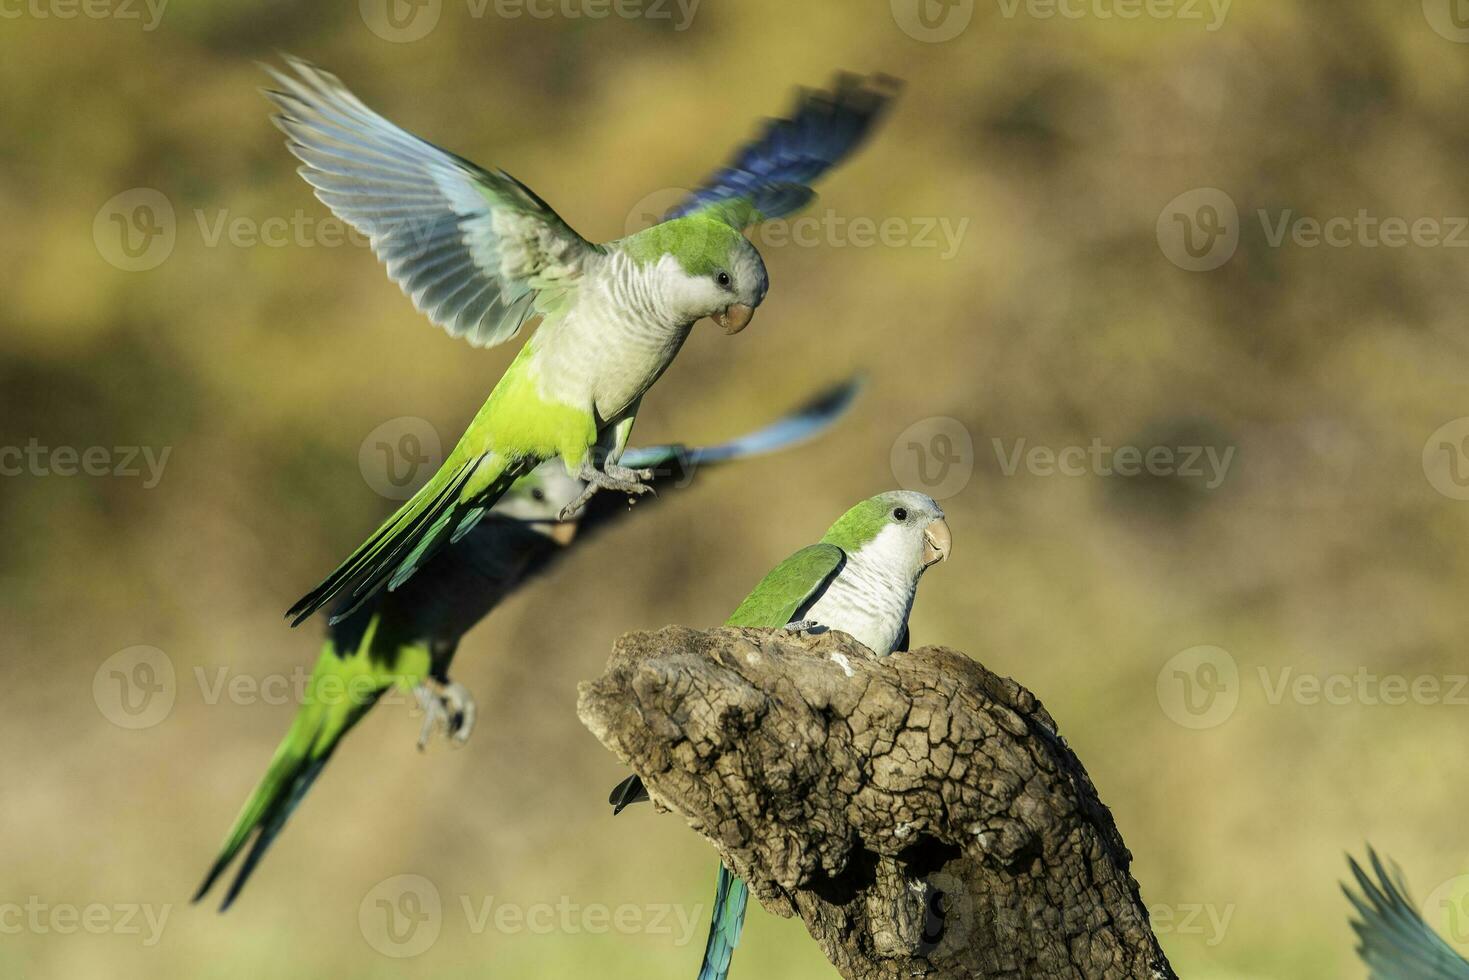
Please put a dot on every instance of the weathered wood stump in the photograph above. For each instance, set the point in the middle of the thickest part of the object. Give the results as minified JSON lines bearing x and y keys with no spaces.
{"x":920,"y":814}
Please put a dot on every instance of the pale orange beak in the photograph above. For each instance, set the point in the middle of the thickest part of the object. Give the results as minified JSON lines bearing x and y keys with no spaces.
{"x":937,"y":543}
{"x":734,"y":318}
{"x":564,"y":532}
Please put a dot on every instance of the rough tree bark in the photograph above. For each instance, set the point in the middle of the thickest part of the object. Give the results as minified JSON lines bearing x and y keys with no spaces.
{"x":919,"y":813}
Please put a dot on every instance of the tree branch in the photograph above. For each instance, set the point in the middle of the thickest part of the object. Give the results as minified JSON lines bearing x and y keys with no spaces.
{"x":920,"y":814}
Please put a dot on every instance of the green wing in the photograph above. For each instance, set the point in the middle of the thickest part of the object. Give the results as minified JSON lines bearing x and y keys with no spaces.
{"x":789,"y":587}
{"x":1392,"y":938}
{"x":779,"y":598}
{"x":476,"y":251}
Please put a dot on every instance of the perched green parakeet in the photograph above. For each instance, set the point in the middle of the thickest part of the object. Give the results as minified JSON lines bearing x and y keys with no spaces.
{"x":1392,"y":938}
{"x":861,"y":579}
{"x":481,"y":255}
{"x":406,"y":639}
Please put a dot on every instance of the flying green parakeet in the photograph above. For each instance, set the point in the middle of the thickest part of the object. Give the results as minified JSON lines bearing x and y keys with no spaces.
{"x":405,"y":640}
{"x":1392,"y":938}
{"x":861,"y":578}
{"x":481,"y":255}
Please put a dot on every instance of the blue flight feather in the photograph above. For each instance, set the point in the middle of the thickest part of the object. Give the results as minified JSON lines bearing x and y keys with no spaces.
{"x":773,"y":174}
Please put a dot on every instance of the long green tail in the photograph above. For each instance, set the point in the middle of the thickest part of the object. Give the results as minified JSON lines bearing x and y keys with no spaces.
{"x":730,"y":897}
{"x":341,"y":691}
{"x":443,"y":510}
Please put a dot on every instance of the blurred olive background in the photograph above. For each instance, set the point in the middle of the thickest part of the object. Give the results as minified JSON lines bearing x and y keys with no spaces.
{"x":1052,"y":144}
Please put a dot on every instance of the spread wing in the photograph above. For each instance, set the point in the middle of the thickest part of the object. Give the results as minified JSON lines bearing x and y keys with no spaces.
{"x":476,"y":251}
{"x":771,"y":176}
{"x":1392,"y":938}
{"x":789,"y":587}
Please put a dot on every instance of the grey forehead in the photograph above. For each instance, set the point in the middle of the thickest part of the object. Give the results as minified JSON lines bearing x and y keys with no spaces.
{"x":913,"y":500}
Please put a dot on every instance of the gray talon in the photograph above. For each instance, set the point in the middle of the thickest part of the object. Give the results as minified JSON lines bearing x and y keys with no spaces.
{"x":802,"y":626}
{"x":628,"y":475}
{"x":613,"y":477}
{"x":447,"y":706}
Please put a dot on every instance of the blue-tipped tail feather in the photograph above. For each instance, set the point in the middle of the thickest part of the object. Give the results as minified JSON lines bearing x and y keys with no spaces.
{"x":1392,"y":938}
{"x":730,"y":898}
{"x":800,"y":425}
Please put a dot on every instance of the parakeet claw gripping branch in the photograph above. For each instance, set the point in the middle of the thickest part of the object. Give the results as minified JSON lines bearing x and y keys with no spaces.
{"x":482,"y":255}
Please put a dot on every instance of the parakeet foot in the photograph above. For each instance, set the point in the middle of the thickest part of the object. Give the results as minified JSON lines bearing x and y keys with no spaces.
{"x":445,"y":705}
{"x":613,"y":477}
{"x":803,"y":626}
{"x":627,"y":475}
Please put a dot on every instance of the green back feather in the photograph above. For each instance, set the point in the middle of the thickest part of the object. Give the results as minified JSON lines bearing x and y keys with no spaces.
{"x":789,"y":586}
{"x":859,"y":525}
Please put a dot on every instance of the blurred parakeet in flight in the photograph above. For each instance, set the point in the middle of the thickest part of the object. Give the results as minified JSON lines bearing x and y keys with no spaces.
{"x":406,"y":639}
{"x":481,"y":255}
{"x":861,"y":579}
{"x":1392,"y":938}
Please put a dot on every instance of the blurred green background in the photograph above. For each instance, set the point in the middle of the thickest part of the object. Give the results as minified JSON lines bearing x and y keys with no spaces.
{"x":1055,"y":146}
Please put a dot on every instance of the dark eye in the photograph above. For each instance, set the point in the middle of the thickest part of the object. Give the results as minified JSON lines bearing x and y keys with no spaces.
{"x":900,"y":514}
{"x":722,"y":279}
{"x":538,"y":494}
